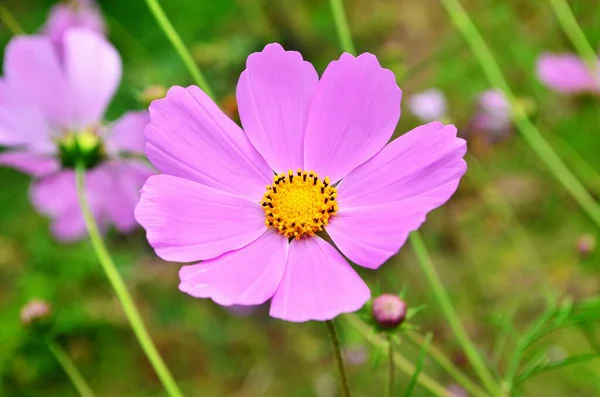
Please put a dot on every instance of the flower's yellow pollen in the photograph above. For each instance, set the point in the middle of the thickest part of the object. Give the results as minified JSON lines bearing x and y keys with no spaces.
{"x":299,"y":203}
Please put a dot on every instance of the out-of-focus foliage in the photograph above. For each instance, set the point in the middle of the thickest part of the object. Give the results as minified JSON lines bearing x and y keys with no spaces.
{"x":497,"y":265}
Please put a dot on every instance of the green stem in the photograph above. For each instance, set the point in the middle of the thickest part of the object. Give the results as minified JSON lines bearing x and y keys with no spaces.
{"x":573,"y":31}
{"x":117,"y":283}
{"x":339,"y":362}
{"x":400,"y":361}
{"x":341,"y":24}
{"x":390,"y":367}
{"x":531,"y":134}
{"x":181,"y":49}
{"x":70,"y":369}
{"x":447,"y":365}
{"x":10,"y":21}
{"x":443,"y":300}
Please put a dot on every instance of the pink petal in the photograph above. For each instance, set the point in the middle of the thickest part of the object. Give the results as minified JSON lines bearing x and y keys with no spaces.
{"x":273,"y":95}
{"x":127,"y":133}
{"x":318,"y":284}
{"x":34,"y":164}
{"x":33,"y":71}
{"x":69,"y":226}
{"x":353,"y":114}
{"x":383,"y":200}
{"x":566,"y":73}
{"x":186,"y":221}
{"x":93,"y":70}
{"x":56,"y":197}
{"x":248,"y":276}
{"x":190,"y":137}
{"x":22,"y":124}
{"x":123,"y":180}
{"x":63,"y":17}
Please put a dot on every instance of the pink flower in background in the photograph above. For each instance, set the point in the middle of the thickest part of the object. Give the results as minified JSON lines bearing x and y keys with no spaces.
{"x":493,"y":115}
{"x":51,"y":111}
{"x":83,"y":14}
{"x":428,"y":106}
{"x":567,"y":73}
{"x":253,"y":204}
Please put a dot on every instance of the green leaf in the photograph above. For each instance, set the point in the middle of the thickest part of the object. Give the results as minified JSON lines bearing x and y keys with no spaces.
{"x":420,"y":362}
{"x":564,"y":363}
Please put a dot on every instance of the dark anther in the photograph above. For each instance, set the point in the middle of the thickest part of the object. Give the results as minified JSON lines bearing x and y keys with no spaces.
{"x":274,"y":189}
{"x":291,"y":177}
{"x":299,"y":173}
{"x":315,"y":181}
{"x":326,"y":199}
{"x":330,"y":210}
{"x":293,"y":224}
{"x":270,"y":223}
{"x":270,"y":205}
{"x":322,"y":190}
{"x":264,"y":204}
{"x":304,"y":177}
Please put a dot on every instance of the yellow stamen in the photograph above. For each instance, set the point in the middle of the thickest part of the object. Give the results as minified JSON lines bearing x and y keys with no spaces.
{"x":299,"y":203}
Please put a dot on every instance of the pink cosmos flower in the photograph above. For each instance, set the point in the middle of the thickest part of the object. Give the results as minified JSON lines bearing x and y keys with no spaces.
{"x":83,"y":14}
{"x":429,"y":105}
{"x":493,"y":115}
{"x":567,"y":73}
{"x":254,"y":204}
{"x":50,"y":116}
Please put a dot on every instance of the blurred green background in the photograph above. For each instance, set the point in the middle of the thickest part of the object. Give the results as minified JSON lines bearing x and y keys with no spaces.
{"x":498,"y":265}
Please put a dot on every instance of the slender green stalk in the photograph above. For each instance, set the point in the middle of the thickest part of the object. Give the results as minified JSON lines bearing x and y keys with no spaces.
{"x":10,"y":21}
{"x":339,"y":362}
{"x":531,"y":134}
{"x":390,"y":367}
{"x":446,"y":364}
{"x":341,"y":24}
{"x":181,"y":49}
{"x":71,"y":370}
{"x":400,"y":361}
{"x":419,"y":367}
{"x":117,"y":283}
{"x":573,"y":31}
{"x":440,"y":294}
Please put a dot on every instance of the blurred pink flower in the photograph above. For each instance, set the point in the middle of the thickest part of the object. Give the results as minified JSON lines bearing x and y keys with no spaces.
{"x":456,"y":391}
{"x":567,"y":73}
{"x":47,"y":105}
{"x":83,"y":14}
{"x":367,"y":195}
{"x":493,"y":115}
{"x":429,"y":105}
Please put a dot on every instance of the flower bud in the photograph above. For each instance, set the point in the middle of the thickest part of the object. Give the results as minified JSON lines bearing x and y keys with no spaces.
{"x":389,"y":310}
{"x":586,"y":244}
{"x":35,"y":312}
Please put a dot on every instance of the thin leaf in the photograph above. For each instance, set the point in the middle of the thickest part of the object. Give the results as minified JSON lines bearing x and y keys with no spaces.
{"x":420,"y":361}
{"x":564,"y":363}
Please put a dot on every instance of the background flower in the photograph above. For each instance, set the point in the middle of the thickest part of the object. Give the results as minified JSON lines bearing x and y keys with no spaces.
{"x":567,"y":73}
{"x":47,"y":103}
{"x":429,"y":105}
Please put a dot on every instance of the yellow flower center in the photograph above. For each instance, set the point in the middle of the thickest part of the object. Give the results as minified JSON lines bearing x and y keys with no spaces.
{"x":86,"y":148}
{"x":299,"y":203}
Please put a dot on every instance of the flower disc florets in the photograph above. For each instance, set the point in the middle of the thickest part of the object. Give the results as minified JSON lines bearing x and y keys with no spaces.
{"x":85,"y":148}
{"x":300,"y":203}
